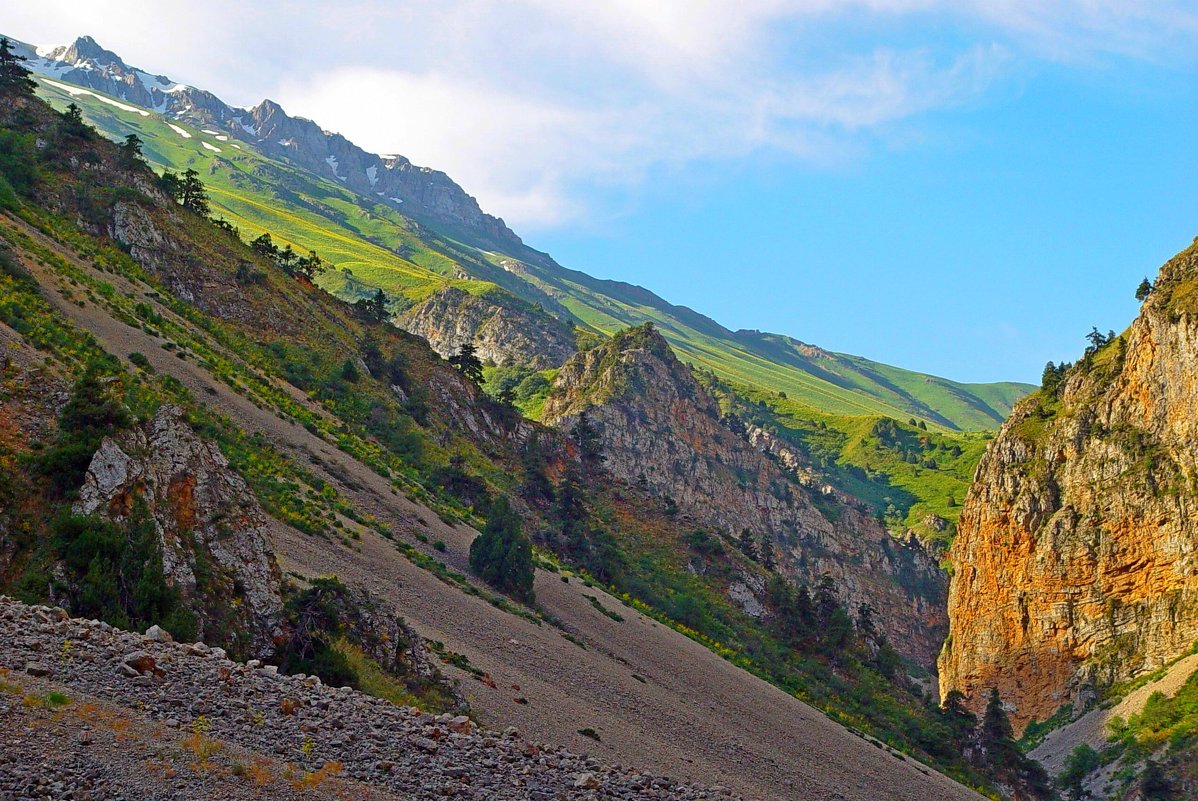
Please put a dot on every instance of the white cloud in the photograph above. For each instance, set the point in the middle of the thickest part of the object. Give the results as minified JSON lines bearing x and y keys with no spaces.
{"x":530,"y":104}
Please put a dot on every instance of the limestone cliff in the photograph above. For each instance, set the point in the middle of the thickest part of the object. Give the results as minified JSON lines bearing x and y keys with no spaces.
{"x":657,"y":422}
{"x":214,"y":535}
{"x":503,"y":329}
{"x":1076,"y":564}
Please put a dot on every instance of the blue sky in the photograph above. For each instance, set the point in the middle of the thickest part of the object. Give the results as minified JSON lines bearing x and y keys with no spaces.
{"x":960,"y":187}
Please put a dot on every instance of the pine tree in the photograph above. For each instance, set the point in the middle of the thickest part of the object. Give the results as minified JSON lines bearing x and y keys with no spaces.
{"x":131,"y":155}
{"x":998,"y":738}
{"x":502,"y":554}
{"x":835,"y":626}
{"x":374,"y":308}
{"x":570,"y":509}
{"x":263,"y":245}
{"x":310,"y":266}
{"x":14,"y":77}
{"x":960,"y":720}
{"x":1050,"y":379}
{"x":590,"y":444}
{"x":192,"y":194}
{"x":767,"y":553}
{"x":73,"y":124}
{"x":746,"y":545}
{"x":467,"y":363}
{"x":1144,"y":290}
{"x":866,"y":627}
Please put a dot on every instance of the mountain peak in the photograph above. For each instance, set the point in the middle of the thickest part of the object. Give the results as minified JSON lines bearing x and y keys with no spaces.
{"x":84,"y":49}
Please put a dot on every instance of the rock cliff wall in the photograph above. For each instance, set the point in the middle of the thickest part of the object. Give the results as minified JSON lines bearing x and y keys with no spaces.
{"x":657,"y":422}
{"x":504,"y":330}
{"x":1076,"y":564}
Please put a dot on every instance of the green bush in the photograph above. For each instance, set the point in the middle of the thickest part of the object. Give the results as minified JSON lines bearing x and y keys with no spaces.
{"x":114,"y":572}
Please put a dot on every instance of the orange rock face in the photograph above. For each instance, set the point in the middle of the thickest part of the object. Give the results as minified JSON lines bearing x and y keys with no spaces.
{"x":1076,"y":564}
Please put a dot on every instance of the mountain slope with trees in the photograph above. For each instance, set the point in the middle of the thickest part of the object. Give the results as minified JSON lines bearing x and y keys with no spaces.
{"x":385,"y":223}
{"x":378,"y":460}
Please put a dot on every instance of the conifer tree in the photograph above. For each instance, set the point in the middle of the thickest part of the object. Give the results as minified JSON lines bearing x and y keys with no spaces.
{"x":131,"y":155}
{"x":14,"y":77}
{"x":997,"y":736}
{"x":1144,"y":290}
{"x":374,"y":308}
{"x":502,"y":554}
{"x":746,"y":545}
{"x":590,"y":444}
{"x":189,"y":191}
{"x":467,"y":363}
{"x":767,"y":553}
{"x":73,"y":124}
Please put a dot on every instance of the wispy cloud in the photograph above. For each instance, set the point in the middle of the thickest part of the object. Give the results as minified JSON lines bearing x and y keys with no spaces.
{"x":532,"y":103}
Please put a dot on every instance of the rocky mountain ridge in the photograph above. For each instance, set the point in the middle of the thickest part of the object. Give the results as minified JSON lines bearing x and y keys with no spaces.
{"x":420,"y":191}
{"x":1077,"y":557}
{"x":661,"y":430}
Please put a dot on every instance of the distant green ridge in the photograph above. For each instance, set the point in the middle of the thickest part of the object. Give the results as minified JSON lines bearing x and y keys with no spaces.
{"x":372,"y":245}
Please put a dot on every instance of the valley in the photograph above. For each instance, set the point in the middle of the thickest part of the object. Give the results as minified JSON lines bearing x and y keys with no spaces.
{"x":268,"y":392}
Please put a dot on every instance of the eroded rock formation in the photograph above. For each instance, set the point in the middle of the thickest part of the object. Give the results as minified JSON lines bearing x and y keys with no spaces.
{"x":213,"y":533}
{"x":504,"y":330}
{"x":660,"y":429}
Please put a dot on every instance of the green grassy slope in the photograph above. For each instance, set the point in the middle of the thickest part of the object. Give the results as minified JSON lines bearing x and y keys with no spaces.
{"x":373,"y":245}
{"x":913,"y":479}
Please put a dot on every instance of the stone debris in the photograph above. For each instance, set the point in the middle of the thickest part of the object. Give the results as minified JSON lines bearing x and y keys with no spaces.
{"x":183,"y":690}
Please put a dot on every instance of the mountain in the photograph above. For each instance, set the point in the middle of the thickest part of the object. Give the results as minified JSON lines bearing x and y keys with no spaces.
{"x":409,"y":230}
{"x":174,"y":399}
{"x":1076,"y":563}
{"x":660,"y":429}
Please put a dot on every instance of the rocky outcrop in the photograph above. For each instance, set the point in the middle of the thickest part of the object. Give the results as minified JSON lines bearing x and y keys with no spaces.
{"x":661,"y":430}
{"x":503,"y":329}
{"x":1076,"y":564}
{"x":214,"y":535}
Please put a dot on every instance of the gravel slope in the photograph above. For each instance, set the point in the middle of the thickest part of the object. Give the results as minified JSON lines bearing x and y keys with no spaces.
{"x":695,"y":716}
{"x":196,"y":721}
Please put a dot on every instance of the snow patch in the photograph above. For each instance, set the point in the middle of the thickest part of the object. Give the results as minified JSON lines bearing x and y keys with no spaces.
{"x":332,"y":162}
{"x":250,"y":129}
{"x":210,"y":131}
{"x":213,"y":148}
{"x":372,"y":174}
{"x":237,"y":146}
{"x":157,"y":82}
{"x":286,"y":142}
{"x":397,"y":200}
{"x":178,"y":130}
{"x":75,"y":91}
